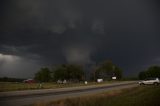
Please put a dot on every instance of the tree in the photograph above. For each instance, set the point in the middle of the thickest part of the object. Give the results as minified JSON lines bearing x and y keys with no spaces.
{"x":69,"y":72}
{"x":107,"y":70}
{"x":118,"y":72}
{"x":44,"y":75}
{"x":142,"y":75}
{"x":153,"y":71}
{"x":60,"y":73}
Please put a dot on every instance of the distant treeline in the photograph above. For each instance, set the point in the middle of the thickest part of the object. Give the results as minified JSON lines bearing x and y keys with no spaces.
{"x":7,"y":79}
{"x":73,"y":72}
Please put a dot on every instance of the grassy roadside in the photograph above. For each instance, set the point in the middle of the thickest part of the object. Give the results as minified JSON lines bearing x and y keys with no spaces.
{"x":12,"y":86}
{"x":138,"y":96}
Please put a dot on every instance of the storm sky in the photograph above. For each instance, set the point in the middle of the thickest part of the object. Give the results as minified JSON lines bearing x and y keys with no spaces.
{"x":37,"y":33}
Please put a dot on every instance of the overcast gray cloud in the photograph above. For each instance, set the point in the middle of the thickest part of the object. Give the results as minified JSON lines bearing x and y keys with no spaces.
{"x":37,"y":32}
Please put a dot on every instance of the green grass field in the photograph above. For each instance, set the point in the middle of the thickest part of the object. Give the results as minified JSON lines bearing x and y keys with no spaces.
{"x":13,"y":86}
{"x":138,"y":96}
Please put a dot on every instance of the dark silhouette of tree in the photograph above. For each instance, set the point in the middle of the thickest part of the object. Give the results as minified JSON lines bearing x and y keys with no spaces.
{"x":44,"y":75}
{"x":142,"y":75}
{"x":153,"y":71}
{"x":118,"y":72}
{"x":69,"y":72}
{"x":107,"y":70}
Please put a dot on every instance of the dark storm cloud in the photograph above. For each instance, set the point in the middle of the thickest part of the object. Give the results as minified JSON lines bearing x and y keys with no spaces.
{"x":81,"y":31}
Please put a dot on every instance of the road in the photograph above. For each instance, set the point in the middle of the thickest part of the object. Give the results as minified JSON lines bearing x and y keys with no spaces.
{"x":21,"y":98}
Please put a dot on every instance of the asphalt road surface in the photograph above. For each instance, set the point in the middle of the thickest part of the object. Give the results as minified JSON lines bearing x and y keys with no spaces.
{"x":22,"y":98}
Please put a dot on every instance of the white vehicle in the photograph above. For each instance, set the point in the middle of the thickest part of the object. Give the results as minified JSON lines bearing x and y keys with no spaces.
{"x":99,"y":80}
{"x":153,"y":81}
{"x":62,"y":82}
